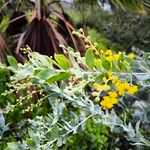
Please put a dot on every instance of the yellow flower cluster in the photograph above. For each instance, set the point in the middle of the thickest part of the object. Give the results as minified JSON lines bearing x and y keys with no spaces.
{"x":123,"y":87}
{"x":119,"y":89}
{"x":110,"y":100}
{"x":110,"y":57}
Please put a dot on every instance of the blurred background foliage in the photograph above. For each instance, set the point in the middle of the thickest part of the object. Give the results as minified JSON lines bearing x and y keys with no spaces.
{"x":121,"y":30}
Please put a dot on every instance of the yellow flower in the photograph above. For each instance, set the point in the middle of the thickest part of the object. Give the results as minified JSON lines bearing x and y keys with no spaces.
{"x":120,"y":88}
{"x":109,"y":58}
{"x":118,"y":84}
{"x":114,"y":100}
{"x":109,"y":105}
{"x":131,"y":56}
{"x":106,"y":98}
{"x":97,"y":87}
{"x":104,"y":79}
{"x":105,"y":87}
{"x":106,"y":103}
{"x":116,"y":57}
{"x":114,"y":79}
{"x":121,"y":92}
{"x":113,"y":94}
{"x":110,"y":74}
{"x":133,"y":90}
{"x":109,"y":52}
{"x":126,"y":85}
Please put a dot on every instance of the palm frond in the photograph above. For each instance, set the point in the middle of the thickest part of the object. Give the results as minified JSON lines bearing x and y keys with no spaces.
{"x":65,"y":27}
{"x":17,"y":22}
{"x":82,"y":4}
{"x":142,"y":6}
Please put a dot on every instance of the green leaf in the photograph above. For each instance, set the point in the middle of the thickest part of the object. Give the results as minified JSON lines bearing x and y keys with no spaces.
{"x":46,"y":61}
{"x":4,"y":24}
{"x":23,"y":73}
{"x":46,"y":74}
{"x":12,"y":61}
{"x":106,"y":64}
{"x":70,"y":49}
{"x":36,"y":72}
{"x":33,"y":136}
{"x":145,"y":62}
{"x":98,"y":63}
{"x":12,"y":146}
{"x":31,"y":143}
{"x":58,"y":77}
{"x":77,"y":72}
{"x":62,"y":61}
{"x":142,"y":77}
{"x":122,"y":66}
{"x":89,"y":58}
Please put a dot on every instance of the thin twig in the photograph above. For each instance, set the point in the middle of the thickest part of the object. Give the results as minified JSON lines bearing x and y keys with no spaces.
{"x":15,"y":19}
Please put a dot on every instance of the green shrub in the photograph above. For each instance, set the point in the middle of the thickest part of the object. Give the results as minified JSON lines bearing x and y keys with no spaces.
{"x":81,"y":96}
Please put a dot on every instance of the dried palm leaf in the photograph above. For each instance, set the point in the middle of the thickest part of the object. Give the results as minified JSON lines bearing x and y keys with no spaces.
{"x":65,"y":28}
{"x":16,"y":24}
{"x":41,"y":36}
{"x":4,"y":50}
